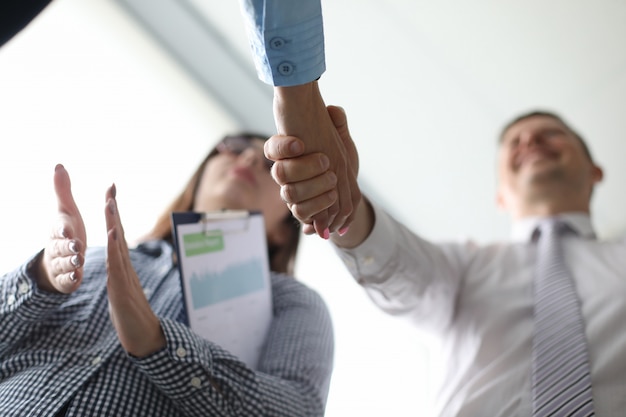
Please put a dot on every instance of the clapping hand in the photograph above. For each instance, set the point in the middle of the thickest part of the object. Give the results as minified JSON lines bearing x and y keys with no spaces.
{"x":138,"y":328}
{"x":61,"y":267}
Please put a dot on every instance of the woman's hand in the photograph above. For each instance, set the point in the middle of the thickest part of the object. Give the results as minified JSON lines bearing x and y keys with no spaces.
{"x":60,"y":269}
{"x":138,"y":328}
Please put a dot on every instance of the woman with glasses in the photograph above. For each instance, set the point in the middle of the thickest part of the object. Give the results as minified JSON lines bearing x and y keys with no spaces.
{"x":100,"y":331}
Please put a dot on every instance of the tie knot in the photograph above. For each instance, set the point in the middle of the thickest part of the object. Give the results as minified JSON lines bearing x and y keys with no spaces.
{"x":552,"y":226}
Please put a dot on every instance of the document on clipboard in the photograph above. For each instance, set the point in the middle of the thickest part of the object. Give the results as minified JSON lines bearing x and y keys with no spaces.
{"x":224,"y":270}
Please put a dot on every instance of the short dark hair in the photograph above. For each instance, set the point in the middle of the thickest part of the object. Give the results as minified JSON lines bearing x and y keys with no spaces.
{"x":544,"y":113}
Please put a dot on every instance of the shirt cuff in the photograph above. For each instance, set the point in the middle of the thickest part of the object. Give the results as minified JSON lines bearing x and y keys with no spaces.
{"x":367,"y":261}
{"x":289,"y":55}
{"x":21,"y":293}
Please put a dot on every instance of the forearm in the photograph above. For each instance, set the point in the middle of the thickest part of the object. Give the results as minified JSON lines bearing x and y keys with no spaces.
{"x":406,"y":275}
{"x":294,"y":109}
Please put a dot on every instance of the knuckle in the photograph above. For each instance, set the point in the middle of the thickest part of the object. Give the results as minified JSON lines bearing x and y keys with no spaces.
{"x":278,"y":173}
{"x":281,"y":146}
{"x":289,"y":194}
{"x":268,"y":148}
{"x":297,"y":211}
{"x":331,"y":179}
{"x":333,"y":210}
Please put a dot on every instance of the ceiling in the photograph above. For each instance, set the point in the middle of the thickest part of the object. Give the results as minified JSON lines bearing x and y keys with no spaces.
{"x":427,"y":85}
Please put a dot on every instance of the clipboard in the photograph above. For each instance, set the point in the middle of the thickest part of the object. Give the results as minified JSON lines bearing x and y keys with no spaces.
{"x":224,"y":271}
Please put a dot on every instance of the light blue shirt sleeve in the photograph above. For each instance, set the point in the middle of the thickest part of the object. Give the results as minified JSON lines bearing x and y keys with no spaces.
{"x":287,"y":39}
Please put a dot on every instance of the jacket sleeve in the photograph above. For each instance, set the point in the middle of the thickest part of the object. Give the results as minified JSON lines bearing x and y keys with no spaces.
{"x":287,"y":40}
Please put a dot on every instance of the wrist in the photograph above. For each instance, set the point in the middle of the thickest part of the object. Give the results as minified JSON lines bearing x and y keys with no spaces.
{"x":359,"y":229}
{"x":36,"y":269}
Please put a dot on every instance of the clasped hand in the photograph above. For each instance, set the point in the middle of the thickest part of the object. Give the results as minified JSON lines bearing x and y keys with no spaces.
{"x":316,"y":162}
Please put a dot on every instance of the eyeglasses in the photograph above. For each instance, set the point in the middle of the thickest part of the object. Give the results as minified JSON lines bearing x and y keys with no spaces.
{"x":238,"y":144}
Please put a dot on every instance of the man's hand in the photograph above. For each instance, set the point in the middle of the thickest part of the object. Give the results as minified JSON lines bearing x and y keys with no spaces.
{"x":300,"y":111}
{"x":60,"y":269}
{"x":138,"y":328}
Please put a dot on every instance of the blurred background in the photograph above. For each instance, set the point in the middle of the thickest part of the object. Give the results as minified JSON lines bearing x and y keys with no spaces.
{"x":136,"y":91}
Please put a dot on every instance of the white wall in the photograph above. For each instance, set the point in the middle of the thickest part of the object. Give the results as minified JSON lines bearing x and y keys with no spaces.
{"x":83,"y":86}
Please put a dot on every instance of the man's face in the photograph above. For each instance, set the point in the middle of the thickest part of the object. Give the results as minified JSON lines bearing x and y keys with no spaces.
{"x":538,"y":153}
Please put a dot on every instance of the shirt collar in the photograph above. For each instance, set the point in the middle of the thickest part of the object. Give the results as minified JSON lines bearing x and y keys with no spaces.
{"x":522,"y":230}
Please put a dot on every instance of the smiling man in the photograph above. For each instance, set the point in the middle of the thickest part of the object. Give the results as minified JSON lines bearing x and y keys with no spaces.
{"x":545,"y":167}
{"x":527,"y":326}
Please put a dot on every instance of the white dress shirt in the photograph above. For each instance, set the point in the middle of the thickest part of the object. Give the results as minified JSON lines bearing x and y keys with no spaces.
{"x":477,"y":301}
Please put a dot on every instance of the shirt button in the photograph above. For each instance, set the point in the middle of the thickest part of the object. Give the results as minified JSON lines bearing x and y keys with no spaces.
{"x":181,"y":352}
{"x":277,"y":43}
{"x":368,"y":260}
{"x":96,"y":360}
{"x":196,"y":382}
{"x":23,"y":288}
{"x":147,"y":292}
{"x":285,"y":68}
{"x":10,"y":299}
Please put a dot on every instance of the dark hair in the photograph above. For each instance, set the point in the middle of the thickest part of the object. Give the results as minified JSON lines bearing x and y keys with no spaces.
{"x":543,"y":113}
{"x":282,"y":257}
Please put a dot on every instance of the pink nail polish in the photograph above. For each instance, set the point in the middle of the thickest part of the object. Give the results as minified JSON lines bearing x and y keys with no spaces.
{"x":326,"y":234}
{"x":343,"y":231}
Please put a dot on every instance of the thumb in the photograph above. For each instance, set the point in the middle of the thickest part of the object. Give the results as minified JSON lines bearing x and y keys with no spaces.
{"x":340,"y":120}
{"x":338,"y":116}
{"x":283,"y":147}
{"x":63,"y":190}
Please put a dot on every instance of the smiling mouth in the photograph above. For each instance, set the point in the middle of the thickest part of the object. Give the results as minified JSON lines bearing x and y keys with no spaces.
{"x":535,"y":157}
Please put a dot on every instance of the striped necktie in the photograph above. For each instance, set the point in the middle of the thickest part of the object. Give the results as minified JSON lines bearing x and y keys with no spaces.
{"x":561,"y":380}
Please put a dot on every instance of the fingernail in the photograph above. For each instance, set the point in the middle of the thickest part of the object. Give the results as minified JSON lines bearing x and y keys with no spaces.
{"x":73,"y":276}
{"x":111,"y":206}
{"x":113,"y":190}
{"x":343,"y":231}
{"x":324,"y":161}
{"x":72,"y":246}
{"x":326,"y":234}
{"x":295,"y":147}
{"x":61,"y":232}
{"x":75,"y":261}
